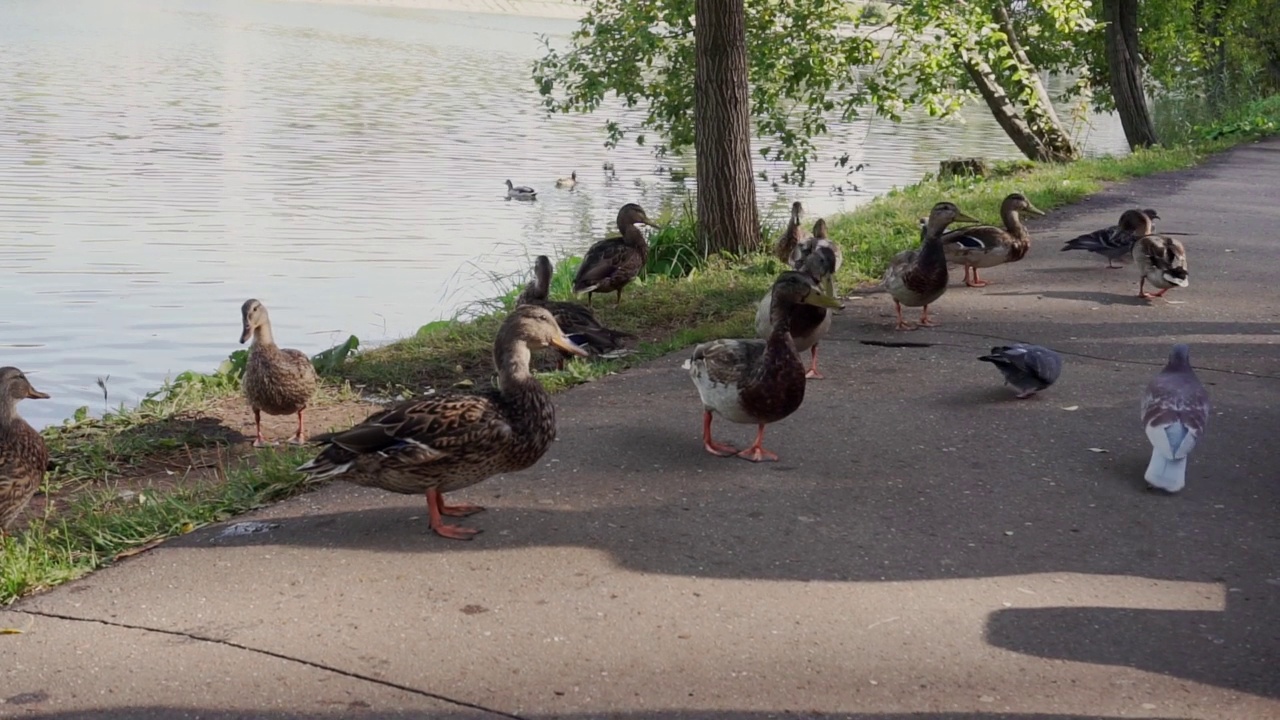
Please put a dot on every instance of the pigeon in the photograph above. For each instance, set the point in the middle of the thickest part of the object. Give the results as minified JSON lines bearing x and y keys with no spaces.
{"x":1029,"y":368}
{"x":1116,"y":242}
{"x":1175,"y":411}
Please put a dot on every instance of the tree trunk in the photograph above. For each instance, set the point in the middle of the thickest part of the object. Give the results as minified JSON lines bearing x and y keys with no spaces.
{"x":1039,"y":112}
{"x":1124,"y":66}
{"x":727,"y":215}
{"x":1006,"y":113}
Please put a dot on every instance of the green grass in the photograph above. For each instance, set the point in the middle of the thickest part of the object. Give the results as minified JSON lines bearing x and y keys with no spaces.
{"x":682,"y":298}
{"x":103,"y":524}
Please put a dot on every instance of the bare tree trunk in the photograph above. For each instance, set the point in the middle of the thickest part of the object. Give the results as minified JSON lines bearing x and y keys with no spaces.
{"x":1124,"y":66}
{"x":1006,"y":113}
{"x":727,"y":215}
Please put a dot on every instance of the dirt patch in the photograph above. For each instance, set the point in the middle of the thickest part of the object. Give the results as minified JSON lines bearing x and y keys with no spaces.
{"x":185,"y":451}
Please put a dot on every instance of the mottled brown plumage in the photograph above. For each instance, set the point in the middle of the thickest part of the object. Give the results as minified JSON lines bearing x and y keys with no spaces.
{"x":791,"y":236}
{"x":756,"y":381}
{"x":918,"y":277}
{"x":984,"y":246}
{"x":576,"y":321}
{"x":613,"y":262}
{"x":447,"y":442}
{"x":23,"y":455}
{"x":1162,"y":261}
{"x":277,"y":381}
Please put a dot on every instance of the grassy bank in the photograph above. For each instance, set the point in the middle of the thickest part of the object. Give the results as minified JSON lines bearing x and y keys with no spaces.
{"x":181,"y":459}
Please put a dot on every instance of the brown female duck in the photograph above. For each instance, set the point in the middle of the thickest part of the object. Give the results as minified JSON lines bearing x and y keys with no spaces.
{"x":1116,"y":242}
{"x":577,"y":321}
{"x":756,"y":381}
{"x":809,"y":323}
{"x":447,"y":442}
{"x":791,"y":236}
{"x":23,"y":455}
{"x":1162,"y":261}
{"x":613,"y":262}
{"x":277,"y":381}
{"x":917,"y":278}
{"x":984,"y":246}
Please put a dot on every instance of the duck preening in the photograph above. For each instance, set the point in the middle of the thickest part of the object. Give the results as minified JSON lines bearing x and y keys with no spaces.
{"x":447,"y":442}
{"x":985,"y":246}
{"x":1162,"y":262}
{"x":1115,"y":242}
{"x":612,"y":263}
{"x":756,"y":381}
{"x":277,"y":381}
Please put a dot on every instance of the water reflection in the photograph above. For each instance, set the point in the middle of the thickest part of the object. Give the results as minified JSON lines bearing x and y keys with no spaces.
{"x":346,"y":165}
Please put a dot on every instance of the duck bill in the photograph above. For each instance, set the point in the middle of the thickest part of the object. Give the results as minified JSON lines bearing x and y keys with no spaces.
{"x":824,"y":301}
{"x":35,"y":394}
{"x":1034,"y":210}
{"x":961,"y":217}
{"x":569,"y":346}
{"x":244,"y":336}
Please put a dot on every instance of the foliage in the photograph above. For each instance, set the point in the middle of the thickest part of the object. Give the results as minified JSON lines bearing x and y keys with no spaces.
{"x":811,"y":63}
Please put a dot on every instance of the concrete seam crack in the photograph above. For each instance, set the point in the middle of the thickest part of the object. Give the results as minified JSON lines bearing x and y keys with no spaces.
{"x":279,"y":656}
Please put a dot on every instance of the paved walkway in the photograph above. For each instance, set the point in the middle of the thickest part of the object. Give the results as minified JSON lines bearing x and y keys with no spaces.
{"x":927,"y":548}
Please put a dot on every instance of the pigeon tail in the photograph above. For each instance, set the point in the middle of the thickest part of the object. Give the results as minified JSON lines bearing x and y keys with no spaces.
{"x":1166,"y":473}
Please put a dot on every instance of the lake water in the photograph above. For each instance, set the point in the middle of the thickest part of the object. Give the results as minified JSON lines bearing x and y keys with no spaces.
{"x":164,"y":160}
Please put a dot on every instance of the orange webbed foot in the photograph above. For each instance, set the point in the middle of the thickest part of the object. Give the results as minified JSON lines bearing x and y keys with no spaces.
{"x":755,"y":453}
{"x":455,"y":532}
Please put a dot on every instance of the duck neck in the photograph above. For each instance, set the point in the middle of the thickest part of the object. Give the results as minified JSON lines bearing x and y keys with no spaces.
{"x":8,"y":412}
{"x":632,"y":234}
{"x":262,"y":336}
{"x":780,"y":317}
{"x":1013,"y":223}
{"x":512,"y":362}
{"x":931,"y":250}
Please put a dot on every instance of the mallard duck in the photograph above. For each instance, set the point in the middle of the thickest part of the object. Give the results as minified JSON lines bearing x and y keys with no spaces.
{"x":447,"y":442}
{"x":520,"y":192}
{"x":578,"y":322}
{"x":817,"y":240}
{"x":791,"y":236}
{"x":569,"y":181}
{"x":277,"y":381}
{"x":756,"y":381}
{"x":809,"y":323}
{"x":1162,"y":261}
{"x":984,"y":246}
{"x":23,"y":455}
{"x":918,"y":277}
{"x":1115,"y":242}
{"x":1028,"y":368}
{"x":613,"y":262}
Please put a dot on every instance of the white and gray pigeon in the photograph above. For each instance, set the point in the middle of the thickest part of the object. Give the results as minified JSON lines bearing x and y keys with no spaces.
{"x":1028,"y":368}
{"x":1175,"y":411}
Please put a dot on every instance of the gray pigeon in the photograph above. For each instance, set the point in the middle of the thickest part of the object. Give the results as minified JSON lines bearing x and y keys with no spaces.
{"x":1029,"y":368}
{"x":1175,"y":411}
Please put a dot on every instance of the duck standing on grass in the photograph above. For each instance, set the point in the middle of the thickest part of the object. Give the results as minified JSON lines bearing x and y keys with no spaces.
{"x":809,"y":323}
{"x":1028,"y":368}
{"x":612,"y":263}
{"x":1175,"y":412}
{"x":918,"y":277}
{"x":1115,"y":242}
{"x":578,"y":322}
{"x":791,"y":236}
{"x":756,"y":381}
{"x":984,"y":246}
{"x":815,"y":242}
{"x":277,"y":381}
{"x":1162,"y":261}
{"x":520,"y":192}
{"x":447,"y":442}
{"x":23,"y":455}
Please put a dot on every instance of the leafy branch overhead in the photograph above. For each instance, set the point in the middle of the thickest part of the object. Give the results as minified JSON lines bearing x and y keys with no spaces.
{"x":814,"y":62}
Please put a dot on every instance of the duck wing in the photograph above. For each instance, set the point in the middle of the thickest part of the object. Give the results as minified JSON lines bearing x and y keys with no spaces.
{"x":604,"y":260}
